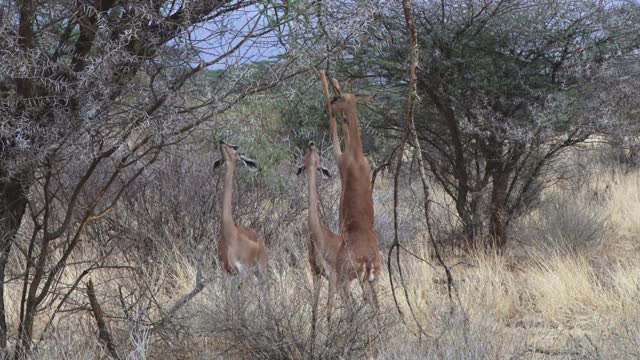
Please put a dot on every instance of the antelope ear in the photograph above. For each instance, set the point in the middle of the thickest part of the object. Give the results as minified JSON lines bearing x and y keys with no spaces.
{"x":217,"y":163}
{"x":363,"y":98}
{"x":336,"y":86}
{"x":250,"y":163}
{"x":300,"y":170}
{"x":325,"y":172}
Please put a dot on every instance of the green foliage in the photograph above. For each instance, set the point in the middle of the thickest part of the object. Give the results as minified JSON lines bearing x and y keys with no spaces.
{"x":503,"y":87}
{"x":277,"y":14}
{"x":214,"y":74}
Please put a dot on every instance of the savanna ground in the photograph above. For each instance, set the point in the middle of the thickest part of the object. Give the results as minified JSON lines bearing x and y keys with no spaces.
{"x":567,"y":287}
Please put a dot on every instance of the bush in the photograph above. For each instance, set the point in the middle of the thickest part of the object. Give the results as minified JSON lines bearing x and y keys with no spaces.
{"x":247,"y":327}
{"x":562,"y":224}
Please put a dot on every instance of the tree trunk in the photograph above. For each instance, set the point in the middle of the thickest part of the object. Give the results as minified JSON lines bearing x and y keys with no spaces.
{"x":13,"y":202}
{"x":477,"y":225}
{"x":498,"y":221}
{"x":25,"y":332}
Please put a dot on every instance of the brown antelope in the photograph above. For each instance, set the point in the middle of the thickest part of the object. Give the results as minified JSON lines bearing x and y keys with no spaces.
{"x":359,"y":256}
{"x":239,"y":247}
{"x":323,"y":243}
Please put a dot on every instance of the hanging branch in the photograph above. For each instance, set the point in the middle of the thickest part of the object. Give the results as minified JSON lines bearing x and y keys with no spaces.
{"x":411,"y":129}
{"x":411,"y":135}
{"x":410,"y":115}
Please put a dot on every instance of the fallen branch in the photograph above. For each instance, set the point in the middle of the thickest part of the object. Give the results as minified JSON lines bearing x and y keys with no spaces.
{"x":103,"y":333}
{"x":197,"y":288}
{"x":72,"y":289}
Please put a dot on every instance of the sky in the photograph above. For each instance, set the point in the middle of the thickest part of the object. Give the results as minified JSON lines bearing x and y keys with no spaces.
{"x":214,"y":38}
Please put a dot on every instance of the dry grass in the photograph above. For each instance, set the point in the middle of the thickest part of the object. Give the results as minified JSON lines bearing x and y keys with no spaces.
{"x":545,"y":302}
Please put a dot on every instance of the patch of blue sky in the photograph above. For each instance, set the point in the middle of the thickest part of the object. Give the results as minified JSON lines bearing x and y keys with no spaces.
{"x":212,"y":39}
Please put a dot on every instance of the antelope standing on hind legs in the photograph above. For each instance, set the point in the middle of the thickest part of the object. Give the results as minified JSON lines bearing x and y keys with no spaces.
{"x":323,"y":243}
{"x":239,"y":247}
{"x":359,"y":256}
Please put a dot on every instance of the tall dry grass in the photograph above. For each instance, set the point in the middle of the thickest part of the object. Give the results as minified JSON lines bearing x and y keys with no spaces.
{"x":569,"y":287}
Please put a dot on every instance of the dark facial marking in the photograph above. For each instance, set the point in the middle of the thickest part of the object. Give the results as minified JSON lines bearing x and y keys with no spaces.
{"x":250,"y":163}
{"x":325,"y":172}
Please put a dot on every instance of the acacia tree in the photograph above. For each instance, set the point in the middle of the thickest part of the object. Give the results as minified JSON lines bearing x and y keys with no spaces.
{"x":91,"y":92}
{"x":505,"y":86}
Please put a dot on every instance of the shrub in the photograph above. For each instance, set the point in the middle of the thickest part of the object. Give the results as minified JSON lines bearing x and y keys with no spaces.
{"x":562,"y":224}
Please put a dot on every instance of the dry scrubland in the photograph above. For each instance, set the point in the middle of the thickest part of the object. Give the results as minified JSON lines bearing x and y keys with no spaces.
{"x":123,"y":103}
{"x":568,"y":287}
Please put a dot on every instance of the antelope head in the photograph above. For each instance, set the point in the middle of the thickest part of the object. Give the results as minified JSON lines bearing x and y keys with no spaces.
{"x":345,"y":103}
{"x":230,"y":154}
{"x":312,"y":162}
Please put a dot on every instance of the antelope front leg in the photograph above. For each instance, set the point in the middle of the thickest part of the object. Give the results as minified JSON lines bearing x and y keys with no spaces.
{"x":345,"y":132}
{"x":317,"y":284}
{"x":333,"y":127}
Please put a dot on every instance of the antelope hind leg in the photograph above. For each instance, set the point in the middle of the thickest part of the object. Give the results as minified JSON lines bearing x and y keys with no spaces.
{"x":333,"y":279}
